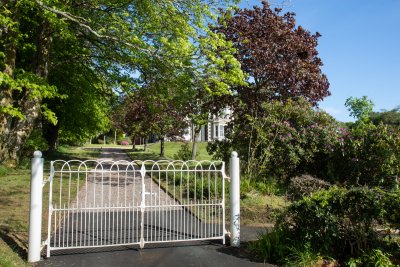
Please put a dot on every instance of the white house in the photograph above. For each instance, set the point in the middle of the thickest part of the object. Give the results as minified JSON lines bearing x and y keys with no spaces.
{"x":214,"y":130}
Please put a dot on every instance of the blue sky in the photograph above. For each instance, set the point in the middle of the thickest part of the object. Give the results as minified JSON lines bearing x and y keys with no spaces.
{"x":360,"y":48}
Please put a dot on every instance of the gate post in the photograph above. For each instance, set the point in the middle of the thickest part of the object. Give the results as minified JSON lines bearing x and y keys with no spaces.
{"x":35,"y":215}
{"x":235,"y":200}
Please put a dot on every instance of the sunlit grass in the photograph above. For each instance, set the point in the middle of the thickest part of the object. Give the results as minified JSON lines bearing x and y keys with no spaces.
{"x":15,"y":201}
{"x":172,"y":148}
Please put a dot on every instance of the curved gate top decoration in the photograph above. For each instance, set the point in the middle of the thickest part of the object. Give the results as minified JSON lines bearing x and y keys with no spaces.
{"x":113,"y":203}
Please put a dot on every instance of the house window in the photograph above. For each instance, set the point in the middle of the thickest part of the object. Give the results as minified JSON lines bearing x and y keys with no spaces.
{"x":216,"y":131}
{"x":221,"y":131}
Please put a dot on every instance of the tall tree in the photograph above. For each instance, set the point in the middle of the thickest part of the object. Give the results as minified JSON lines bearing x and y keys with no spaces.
{"x":360,"y":109}
{"x":280,"y":58}
{"x":281,"y":62}
{"x":117,"y":38}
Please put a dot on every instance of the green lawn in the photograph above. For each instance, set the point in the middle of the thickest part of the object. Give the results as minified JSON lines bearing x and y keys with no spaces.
{"x":172,"y":148}
{"x":14,"y":204}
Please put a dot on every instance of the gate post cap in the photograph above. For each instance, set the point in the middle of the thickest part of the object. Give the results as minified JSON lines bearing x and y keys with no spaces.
{"x":37,"y":154}
{"x":234,"y":154}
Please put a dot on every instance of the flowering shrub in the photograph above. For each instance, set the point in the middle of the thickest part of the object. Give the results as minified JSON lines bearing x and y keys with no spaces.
{"x":337,"y":222}
{"x":367,"y":155}
{"x":124,"y":143}
{"x":291,"y":139}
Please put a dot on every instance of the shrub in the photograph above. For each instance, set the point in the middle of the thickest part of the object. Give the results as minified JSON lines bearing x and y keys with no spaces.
{"x":271,"y":246}
{"x":375,"y":258}
{"x":291,"y":138}
{"x":35,"y":141}
{"x":302,"y":257}
{"x":304,"y":185}
{"x":337,"y":222}
{"x":367,"y":155}
{"x":184,"y":153}
{"x":124,"y":143}
{"x":391,"y":204}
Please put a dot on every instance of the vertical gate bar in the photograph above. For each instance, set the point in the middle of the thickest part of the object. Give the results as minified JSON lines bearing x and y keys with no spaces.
{"x":199,"y":216}
{"x":64,"y":227}
{"x":84,"y":209}
{"x":118,"y":224}
{"x":85,"y":225}
{"x":161,"y":218}
{"x":167,"y":237}
{"x":77,"y":206}
{"x":97,"y":210}
{"x":223,"y":203}
{"x":129,"y":224}
{"x":150,"y":212}
{"x":50,"y":209}
{"x":113,"y":223}
{"x":121,"y":228}
{"x":81,"y":226}
{"x":72,"y":224}
{"x":137,"y":225}
{"x":192,"y":219}
{"x":212,"y":218}
{"x":90,"y":222}
{"x":142,"y":205}
{"x":55,"y":230}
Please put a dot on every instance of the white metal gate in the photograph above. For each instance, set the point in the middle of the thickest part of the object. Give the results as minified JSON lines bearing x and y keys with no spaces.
{"x":103,"y":203}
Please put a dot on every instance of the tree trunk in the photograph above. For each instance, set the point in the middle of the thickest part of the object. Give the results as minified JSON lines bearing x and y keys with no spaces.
{"x":6,"y":90}
{"x":145,"y":144}
{"x":6,"y":99}
{"x":162,"y":147}
{"x":196,"y":132}
{"x":50,"y":132}
{"x":29,"y":104}
{"x":133,"y":139}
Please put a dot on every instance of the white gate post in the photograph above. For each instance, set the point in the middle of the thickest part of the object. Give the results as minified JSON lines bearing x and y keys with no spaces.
{"x":235,"y":200}
{"x":35,"y":216}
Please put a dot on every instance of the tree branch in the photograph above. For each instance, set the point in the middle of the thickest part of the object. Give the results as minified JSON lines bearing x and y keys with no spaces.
{"x":83,"y":23}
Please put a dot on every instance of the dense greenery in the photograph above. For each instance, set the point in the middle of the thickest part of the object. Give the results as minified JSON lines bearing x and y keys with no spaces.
{"x":73,"y":70}
{"x":338,"y":223}
{"x":62,"y":62}
{"x":390,"y":117}
{"x":292,"y":138}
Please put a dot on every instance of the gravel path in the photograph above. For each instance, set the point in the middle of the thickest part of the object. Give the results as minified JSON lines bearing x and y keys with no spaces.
{"x":107,"y":210}
{"x":122,"y":186}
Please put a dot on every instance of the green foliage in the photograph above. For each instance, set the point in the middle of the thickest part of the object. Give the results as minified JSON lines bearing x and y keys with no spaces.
{"x":375,"y":258}
{"x":292,"y":138}
{"x":391,"y":117}
{"x":75,"y":57}
{"x":302,"y":257}
{"x":267,"y":186}
{"x":367,"y":155}
{"x":305,"y":185}
{"x":184,"y":153}
{"x":359,"y":108}
{"x":271,"y":246}
{"x":338,"y":222}
{"x":35,"y":142}
{"x":391,"y":204}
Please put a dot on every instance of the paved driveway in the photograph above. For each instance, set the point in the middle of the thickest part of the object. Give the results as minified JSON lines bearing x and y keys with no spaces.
{"x":200,"y":253}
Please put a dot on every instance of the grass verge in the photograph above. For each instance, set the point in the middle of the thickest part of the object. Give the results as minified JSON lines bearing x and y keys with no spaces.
{"x":15,"y":199}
